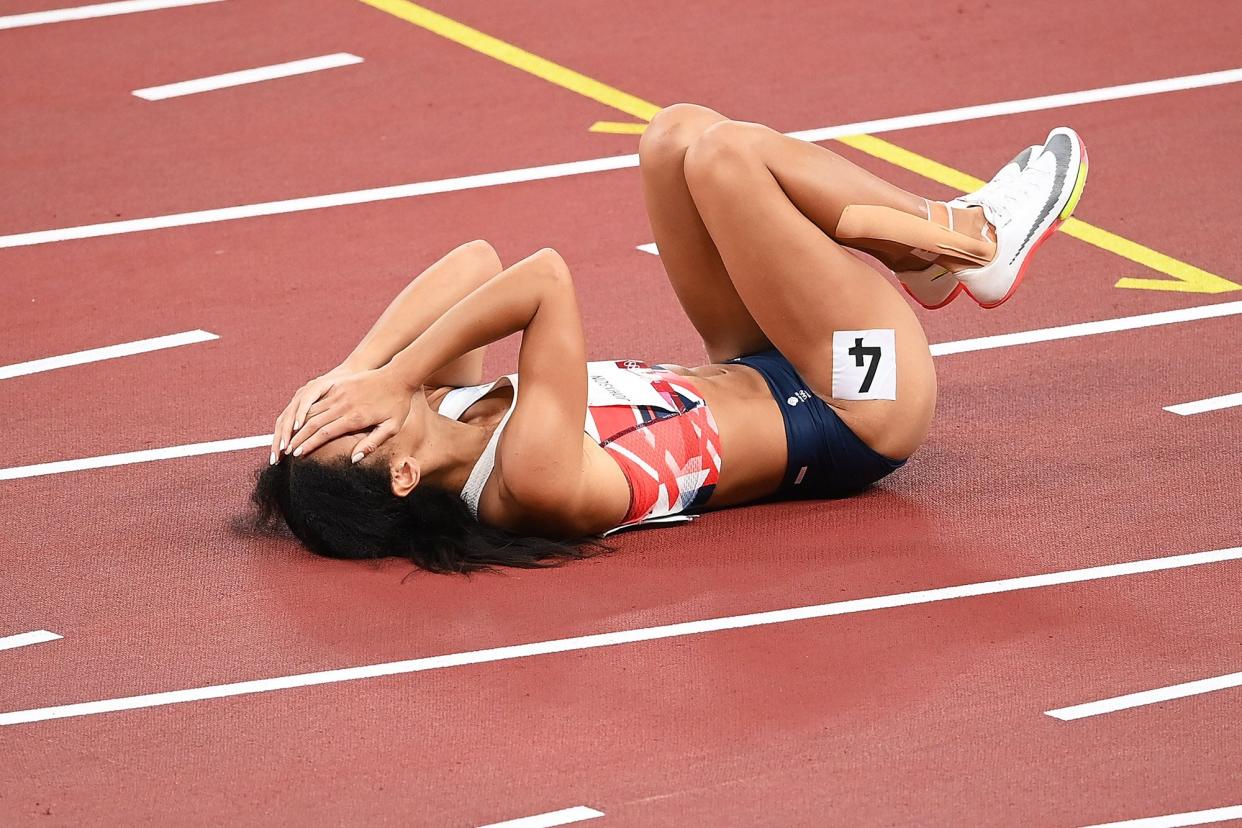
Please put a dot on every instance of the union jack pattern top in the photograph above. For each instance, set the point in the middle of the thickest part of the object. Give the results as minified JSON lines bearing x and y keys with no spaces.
{"x":651,"y":421}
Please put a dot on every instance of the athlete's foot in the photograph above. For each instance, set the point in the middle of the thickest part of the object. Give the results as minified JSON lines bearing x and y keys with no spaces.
{"x":928,"y":276}
{"x":932,"y":287}
{"x":932,"y":281}
{"x":1025,"y":203}
{"x":980,"y":242}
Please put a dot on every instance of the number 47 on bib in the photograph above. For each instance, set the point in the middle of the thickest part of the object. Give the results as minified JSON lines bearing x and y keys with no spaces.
{"x":864,"y":365}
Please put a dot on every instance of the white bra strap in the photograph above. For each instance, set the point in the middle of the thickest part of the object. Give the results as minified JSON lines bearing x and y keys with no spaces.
{"x":455,"y":402}
{"x":473,"y":490}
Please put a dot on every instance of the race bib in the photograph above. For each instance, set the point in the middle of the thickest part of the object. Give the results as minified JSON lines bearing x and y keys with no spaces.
{"x":864,"y":365}
{"x":611,"y":384}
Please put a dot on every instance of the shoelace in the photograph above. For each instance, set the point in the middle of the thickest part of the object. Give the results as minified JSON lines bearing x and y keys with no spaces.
{"x":1009,"y":197}
{"x":984,"y":193}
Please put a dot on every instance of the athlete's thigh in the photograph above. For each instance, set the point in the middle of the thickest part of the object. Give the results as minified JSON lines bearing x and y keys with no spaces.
{"x":689,"y":255}
{"x":850,"y":335}
{"x":824,"y":308}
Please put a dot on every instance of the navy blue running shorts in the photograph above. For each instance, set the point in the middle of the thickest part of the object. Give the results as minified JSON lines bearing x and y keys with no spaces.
{"x":826,"y":458}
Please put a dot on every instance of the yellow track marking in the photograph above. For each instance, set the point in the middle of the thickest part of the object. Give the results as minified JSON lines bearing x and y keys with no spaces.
{"x":618,"y":127}
{"x":912,"y":161}
{"x":516,"y":57}
{"x":1186,"y":277}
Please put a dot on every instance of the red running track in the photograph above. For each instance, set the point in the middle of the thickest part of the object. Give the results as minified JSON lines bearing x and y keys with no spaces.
{"x":1043,"y":458}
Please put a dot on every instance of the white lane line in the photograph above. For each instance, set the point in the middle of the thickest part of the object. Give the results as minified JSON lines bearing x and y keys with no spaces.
{"x":1146,"y":697}
{"x":144,"y":456}
{"x":1178,"y":820}
{"x":993,"y":110}
{"x":240,"y":78}
{"x":617,"y":162}
{"x":612,"y":639}
{"x":26,"y":639}
{"x":1102,"y":326}
{"x":297,"y":205}
{"x":17,"y":21}
{"x":650,"y":248}
{"x":1124,"y":323}
{"x":1210,"y":404}
{"x":562,"y":817}
{"x":124,"y":349}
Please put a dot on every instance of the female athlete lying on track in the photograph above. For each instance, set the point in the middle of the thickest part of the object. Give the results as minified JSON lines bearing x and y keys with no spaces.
{"x":820,"y":381}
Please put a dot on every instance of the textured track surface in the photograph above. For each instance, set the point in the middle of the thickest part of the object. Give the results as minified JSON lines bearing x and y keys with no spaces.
{"x":1043,"y":458}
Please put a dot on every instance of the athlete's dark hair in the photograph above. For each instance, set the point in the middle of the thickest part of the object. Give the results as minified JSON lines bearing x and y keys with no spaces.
{"x":341,"y":510}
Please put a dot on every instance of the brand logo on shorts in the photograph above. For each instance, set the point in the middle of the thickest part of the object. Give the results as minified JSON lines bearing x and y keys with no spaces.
{"x":801,"y":396}
{"x":631,"y":364}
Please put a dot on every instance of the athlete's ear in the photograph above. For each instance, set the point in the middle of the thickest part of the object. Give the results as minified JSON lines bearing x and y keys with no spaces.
{"x":405,"y":476}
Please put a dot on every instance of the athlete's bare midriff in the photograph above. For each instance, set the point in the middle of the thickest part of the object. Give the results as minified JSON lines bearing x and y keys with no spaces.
{"x":752,"y":431}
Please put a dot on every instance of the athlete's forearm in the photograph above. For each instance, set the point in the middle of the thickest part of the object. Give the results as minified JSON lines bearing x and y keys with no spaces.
{"x":497,"y":308}
{"x":421,"y":303}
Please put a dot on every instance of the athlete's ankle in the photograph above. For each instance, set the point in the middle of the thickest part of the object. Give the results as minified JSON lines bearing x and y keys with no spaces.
{"x":929,"y":233}
{"x":969,"y":221}
{"x":972,"y":222}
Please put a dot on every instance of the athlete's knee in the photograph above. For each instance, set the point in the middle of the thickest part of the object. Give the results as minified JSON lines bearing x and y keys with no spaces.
{"x":479,"y":252}
{"x":672,"y":130}
{"x":721,"y":150}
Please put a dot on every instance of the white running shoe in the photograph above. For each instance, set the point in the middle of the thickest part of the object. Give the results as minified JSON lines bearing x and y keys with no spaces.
{"x":1025,"y":209}
{"x":934,"y":287}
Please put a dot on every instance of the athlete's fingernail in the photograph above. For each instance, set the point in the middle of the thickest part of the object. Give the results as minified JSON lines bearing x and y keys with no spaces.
{"x":357,"y":456}
{"x":297,"y":425}
{"x":282,"y":444}
{"x":297,"y":452}
{"x":271,"y":461}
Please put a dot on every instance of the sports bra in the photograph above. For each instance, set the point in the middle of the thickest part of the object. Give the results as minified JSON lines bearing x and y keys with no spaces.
{"x":652,"y":422}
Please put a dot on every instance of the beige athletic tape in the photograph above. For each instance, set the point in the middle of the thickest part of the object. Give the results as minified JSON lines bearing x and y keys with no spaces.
{"x":869,"y":222}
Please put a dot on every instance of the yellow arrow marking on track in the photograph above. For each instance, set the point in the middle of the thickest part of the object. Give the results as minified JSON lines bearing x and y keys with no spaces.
{"x":1185,"y":277}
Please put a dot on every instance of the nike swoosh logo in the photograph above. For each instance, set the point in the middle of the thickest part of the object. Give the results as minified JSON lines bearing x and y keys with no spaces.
{"x":1063,"y":149}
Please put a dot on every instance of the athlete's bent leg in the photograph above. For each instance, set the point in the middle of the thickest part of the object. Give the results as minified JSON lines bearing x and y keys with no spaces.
{"x":686,"y":249}
{"x":693,"y":263}
{"x":769,"y":203}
